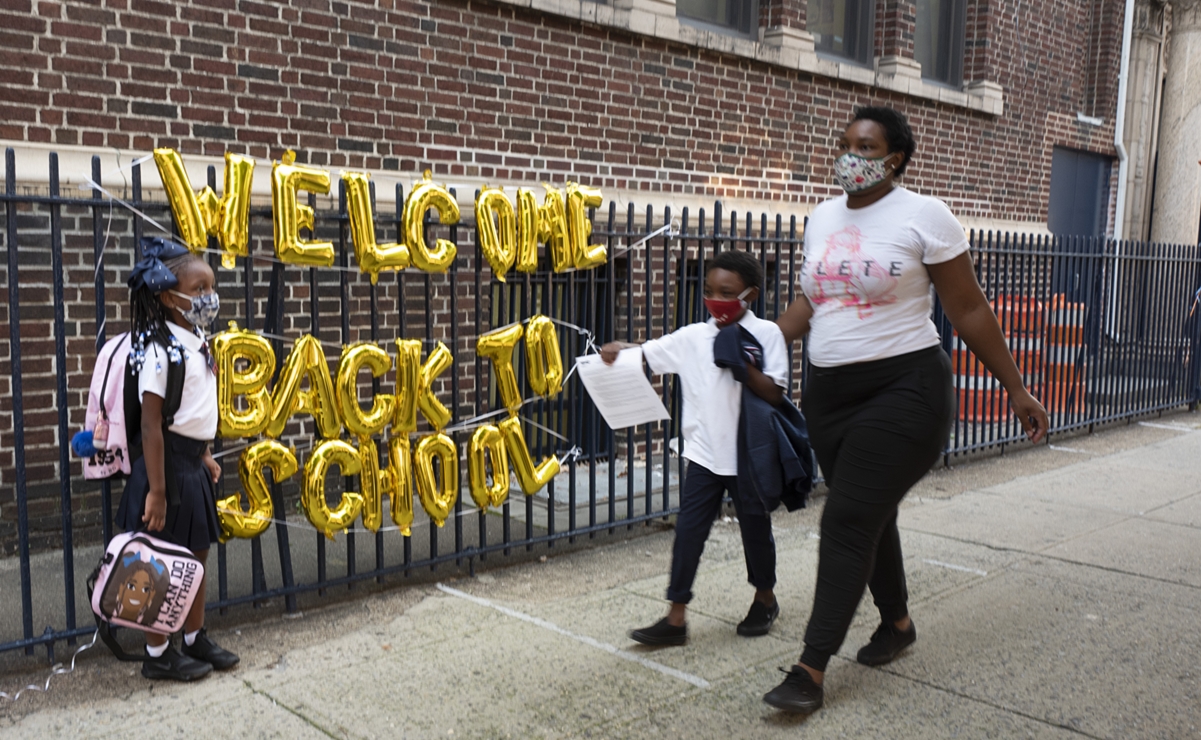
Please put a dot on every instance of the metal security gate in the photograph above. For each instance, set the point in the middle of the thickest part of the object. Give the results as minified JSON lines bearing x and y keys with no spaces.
{"x":68,"y":255}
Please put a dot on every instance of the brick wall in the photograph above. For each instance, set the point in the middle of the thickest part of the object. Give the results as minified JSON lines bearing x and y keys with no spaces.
{"x":484,"y":91}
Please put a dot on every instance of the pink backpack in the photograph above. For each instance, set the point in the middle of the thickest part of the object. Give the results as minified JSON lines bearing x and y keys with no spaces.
{"x":105,"y":419}
{"x":145,"y":584}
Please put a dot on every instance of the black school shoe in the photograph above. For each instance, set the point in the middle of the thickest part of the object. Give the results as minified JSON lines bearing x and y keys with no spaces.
{"x":210,"y":652}
{"x":798,"y":693}
{"x":759,"y":619}
{"x":661,"y":633}
{"x":886,"y":644}
{"x":174,"y":666}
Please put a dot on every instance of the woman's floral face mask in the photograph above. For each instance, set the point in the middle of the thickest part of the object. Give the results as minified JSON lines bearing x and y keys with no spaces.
{"x":856,"y":174}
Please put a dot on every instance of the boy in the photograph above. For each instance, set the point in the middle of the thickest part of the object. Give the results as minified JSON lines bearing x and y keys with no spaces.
{"x":712,"y":405}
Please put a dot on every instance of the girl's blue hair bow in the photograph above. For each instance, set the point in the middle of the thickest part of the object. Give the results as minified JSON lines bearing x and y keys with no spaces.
{"x":150,"y":272}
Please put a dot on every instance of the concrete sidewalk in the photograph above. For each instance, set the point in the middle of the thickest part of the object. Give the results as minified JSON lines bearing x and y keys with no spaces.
{"x":1056,"y":592}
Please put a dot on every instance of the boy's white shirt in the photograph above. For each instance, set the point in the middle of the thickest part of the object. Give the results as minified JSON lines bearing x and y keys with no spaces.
{"x":712,"y":397}
{"x":197,"y":415}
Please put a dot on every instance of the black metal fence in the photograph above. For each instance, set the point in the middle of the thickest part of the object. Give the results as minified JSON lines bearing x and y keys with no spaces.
{"x":1130,"y":348}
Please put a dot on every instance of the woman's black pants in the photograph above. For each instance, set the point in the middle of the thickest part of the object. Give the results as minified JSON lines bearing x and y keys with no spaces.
{"x":877,"y":428}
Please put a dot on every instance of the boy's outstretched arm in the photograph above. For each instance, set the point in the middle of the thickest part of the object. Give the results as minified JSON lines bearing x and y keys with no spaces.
{"x":763,"y":386}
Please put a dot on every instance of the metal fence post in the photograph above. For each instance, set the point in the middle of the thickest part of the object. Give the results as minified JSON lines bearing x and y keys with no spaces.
{"x":14,"y":349}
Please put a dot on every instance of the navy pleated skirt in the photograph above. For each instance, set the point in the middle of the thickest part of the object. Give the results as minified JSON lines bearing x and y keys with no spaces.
{"x":192,"y":523}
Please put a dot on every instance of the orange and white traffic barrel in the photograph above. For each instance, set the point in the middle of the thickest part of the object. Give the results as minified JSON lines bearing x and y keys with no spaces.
{"x":981,"y":396}
{"x":1064,"y":389}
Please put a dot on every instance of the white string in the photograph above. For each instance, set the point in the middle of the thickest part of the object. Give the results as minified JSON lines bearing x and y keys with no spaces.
{"x":56,"y":670}
{"x":89,"y":184}
{"x":99,"y":272}
{"x":671,"y":229}
{"x":121,"y":170}
{"x":548,"y":430}
{"x":282,"y":338}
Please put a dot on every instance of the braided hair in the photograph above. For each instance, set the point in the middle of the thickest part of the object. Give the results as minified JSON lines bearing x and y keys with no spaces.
{"x":148,"y":316}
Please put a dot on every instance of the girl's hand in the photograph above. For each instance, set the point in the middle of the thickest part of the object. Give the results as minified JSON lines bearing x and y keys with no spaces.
{"x":1031,"y":414}
{"x":213,"y":466}
{"x":155,"y":517}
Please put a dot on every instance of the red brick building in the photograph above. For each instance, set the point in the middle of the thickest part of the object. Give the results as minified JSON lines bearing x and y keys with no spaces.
{"x":655,"y":101}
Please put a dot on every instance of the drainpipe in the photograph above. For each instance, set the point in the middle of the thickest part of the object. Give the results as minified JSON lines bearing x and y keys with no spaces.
{"x":1119,"y":128}
{"x":1119,"y":131}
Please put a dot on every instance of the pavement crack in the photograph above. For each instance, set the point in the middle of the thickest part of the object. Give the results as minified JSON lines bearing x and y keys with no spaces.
{"x":985,"y":702}
{"x":1067,"y":561}
{"x":289,"y":710}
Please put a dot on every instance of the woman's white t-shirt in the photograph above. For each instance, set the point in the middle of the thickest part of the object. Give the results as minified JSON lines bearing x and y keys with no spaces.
{"x":864,"y":273}
{"x":197,"y":415}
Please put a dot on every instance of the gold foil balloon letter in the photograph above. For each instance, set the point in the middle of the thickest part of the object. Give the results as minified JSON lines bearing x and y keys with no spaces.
{"x":431,"y":408}
{"x":328,"y":521}
{"x":544,"y":363}
{"x":579,"y":199}
{"x":306,"y":360}
{"x":354,"y":358}
{"x":250,"y":382}
{"x":496,"y":230}
{"x":498,"y":347}
{"x":408,"y":384}
{"x":532,"y":479}
{"x":425,"y":195}
{"x":437,"y":498}
{"x":254,"y":460}
{"x":185,"y":206}
{"x":528,"y":230}
{"x":233,"y":223}
{"x":372,"y":484}
{"x":290,"y":216}
{"x":400,"y":483}
{"x":372,"y":257}
{"x":201,"y":215}
{"x":487,"y":445}
{"x":554,"y":230}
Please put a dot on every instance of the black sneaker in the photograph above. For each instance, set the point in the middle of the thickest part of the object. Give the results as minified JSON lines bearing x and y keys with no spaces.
{"x":174,"y":666}
{"x":210,"y":652}
{"x":759,"y":619}
{"x":661,"y":633}
{"x":886,"y":644}
{"x":798,"y":693}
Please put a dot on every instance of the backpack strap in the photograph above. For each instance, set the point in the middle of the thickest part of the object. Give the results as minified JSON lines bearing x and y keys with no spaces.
{"x":176,"y":373}
{"x":104,"y":383}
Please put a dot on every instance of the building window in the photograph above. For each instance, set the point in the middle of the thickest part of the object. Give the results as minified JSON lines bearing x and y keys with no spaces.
{"x":938,"y":40}
{"x":739,"y":15}
{"x":842,"y":28}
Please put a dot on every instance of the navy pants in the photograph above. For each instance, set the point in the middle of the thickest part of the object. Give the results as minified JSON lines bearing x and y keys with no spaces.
{"x":877,"y":428}
{"x":700,"y":503}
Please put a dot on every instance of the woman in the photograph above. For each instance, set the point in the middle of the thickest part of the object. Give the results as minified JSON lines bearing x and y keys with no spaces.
{"x":879,"y":401}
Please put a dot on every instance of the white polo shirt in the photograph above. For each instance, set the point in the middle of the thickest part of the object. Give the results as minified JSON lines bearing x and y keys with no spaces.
{"x":712,"y":397}
{"x":197,"y":415}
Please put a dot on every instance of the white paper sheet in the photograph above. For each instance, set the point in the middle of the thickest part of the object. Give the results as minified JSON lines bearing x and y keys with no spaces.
{"x":621,"y":391}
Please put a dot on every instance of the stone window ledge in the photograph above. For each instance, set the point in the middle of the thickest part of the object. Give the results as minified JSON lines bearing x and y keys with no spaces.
{"x":784,"y":47}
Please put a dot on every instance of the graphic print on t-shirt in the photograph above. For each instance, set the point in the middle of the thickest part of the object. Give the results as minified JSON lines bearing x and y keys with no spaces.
{"x":844,"y":274}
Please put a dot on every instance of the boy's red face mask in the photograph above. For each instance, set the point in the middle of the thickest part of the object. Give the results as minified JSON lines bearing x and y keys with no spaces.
{"x":725,"y":311}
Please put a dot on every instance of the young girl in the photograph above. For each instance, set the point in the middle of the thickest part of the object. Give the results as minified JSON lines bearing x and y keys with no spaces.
{"x":170,"y":488}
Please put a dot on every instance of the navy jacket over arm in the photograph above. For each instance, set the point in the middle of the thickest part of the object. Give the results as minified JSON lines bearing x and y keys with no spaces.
{"x":775,"y":463}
